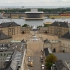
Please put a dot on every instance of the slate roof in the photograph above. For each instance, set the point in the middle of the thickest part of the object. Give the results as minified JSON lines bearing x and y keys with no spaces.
{"x":61,"y":65}
{"x":67,"y":36}
{"x":9,"y":68}
{"x":7,"y":24}
{"x":3,"y":36}
{"x":46,"y":41}
{"x":60,"y":24}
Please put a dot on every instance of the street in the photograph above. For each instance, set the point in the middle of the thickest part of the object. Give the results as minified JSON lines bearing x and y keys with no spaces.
{"x":36,"y":62}
{"x":34,"y":48}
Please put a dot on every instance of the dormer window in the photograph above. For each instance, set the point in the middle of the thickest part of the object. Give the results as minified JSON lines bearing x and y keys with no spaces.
{"x":10,"y":25}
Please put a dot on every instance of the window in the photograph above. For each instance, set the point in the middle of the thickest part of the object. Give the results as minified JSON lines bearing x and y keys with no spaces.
{"x":1,"y":54}
{"x":4,"y":54}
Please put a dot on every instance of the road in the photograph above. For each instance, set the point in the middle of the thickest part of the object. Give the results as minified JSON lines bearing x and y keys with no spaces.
{"x":34,"y":48}
{"x":36,"y":62}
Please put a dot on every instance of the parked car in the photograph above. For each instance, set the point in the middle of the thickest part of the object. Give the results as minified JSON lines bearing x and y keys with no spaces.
{"x":29,"y":59}
{"x":42,"y":66}
{"x":30,"y":63}
{"x":41,"y":58}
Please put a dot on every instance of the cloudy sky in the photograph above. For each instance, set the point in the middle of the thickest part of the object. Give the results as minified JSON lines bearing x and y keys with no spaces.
{"x":35,"y":3}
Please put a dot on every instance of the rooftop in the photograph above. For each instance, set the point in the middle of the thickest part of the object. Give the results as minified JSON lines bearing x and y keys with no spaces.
{"x":33,"y":10}
{"x":8,"y":24}
{"x":60,"y":24}
{"x":3,"y":36}
{"x":11,"y":46}
{"x":61,"y":65}
{"x":66,"y":36}
{"x":63,"y":56}
{"x":15,"y":58}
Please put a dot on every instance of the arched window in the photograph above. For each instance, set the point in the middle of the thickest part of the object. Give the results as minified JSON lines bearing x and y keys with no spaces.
{"x":54,"y":50}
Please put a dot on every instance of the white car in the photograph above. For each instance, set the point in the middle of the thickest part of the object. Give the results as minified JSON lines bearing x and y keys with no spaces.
{"x":42,"y":66}
{"x":29,"y":59}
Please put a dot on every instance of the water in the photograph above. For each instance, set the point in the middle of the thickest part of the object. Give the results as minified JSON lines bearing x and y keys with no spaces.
{"x":33,"y":22}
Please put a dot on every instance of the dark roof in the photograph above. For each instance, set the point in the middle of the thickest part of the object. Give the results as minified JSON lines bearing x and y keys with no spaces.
{"x":23,"y":41}
{"x":46,"y":51}
{"x":3,"y":36}
{"x":2,"y":69}
{"x":61,"y":65}
{"x":60,"y":24}
{"x":46,"y":41}
{"x":9,"y":68}
{"x":7,"y":24}
{"x":67,"y":36}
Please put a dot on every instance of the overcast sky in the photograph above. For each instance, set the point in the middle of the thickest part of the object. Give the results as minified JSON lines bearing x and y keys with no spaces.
{"x":35,"y":3}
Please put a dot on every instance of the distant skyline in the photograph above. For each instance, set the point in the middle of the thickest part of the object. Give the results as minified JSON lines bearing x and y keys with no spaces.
{"x":5,"y":7}
{"x":35,"y":3}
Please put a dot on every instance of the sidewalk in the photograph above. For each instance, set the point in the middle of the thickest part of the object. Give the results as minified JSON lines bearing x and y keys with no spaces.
{"x":26,"y":59}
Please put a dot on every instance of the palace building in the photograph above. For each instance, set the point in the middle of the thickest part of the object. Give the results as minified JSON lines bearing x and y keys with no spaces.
{"x":10,"y":28}
{"x":58,"y":28}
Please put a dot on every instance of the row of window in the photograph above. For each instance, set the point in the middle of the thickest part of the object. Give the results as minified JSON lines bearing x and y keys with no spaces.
{"x":67,"y":45}
{"x":4,"y":54}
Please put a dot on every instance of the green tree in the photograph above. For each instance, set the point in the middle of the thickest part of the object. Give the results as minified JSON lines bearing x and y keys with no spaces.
{"x":25,"y":25}
{"x":50,"y":60}
{"x":39,"y":26}
{"x":46,"y":25}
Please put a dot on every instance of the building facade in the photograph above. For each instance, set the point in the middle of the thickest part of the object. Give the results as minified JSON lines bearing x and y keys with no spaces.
{"x":43,"y":30}
{"x":58,"y":28}
{"x":60,"y":45}
{"x":10,"y":28}
{"x":3,"y":56}
{"x":25,"y":30}
{"x":65,"y":42}
{"x":53,"y":45}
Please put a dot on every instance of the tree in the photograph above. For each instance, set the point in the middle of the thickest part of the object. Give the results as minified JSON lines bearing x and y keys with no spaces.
{"x":39,"y":26}
{"x":46,"y":25}
{"x":50,"y":60}
{"x":25,"y":25}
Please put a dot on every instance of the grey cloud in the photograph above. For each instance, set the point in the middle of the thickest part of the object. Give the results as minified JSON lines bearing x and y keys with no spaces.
{"x":34,"y":2}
